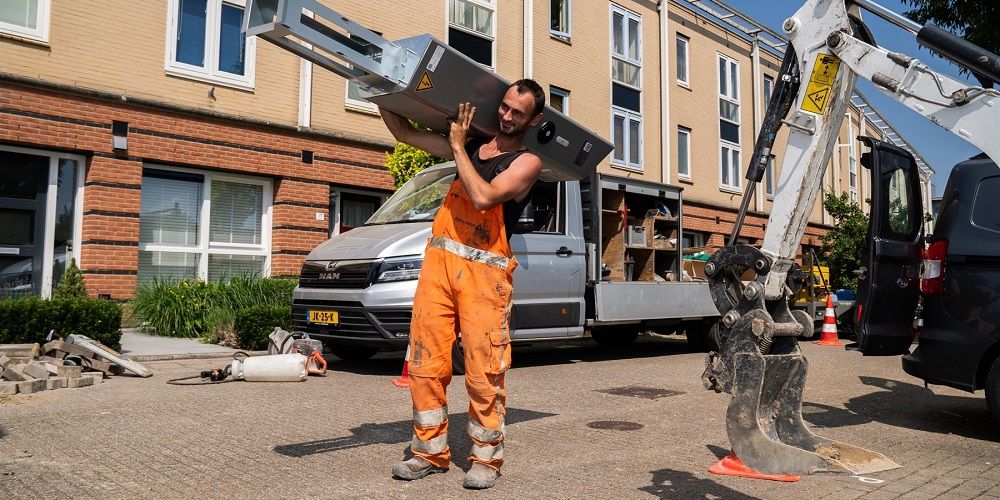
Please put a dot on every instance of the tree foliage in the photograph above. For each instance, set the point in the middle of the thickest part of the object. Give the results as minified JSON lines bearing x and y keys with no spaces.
{"x":71,"y":285}
{"x":405,"y":161}
{"x":844,"y":246}
{"x":974,"y":20}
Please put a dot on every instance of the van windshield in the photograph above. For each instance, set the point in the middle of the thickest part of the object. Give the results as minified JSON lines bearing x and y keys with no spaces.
{"x":418,"y":200}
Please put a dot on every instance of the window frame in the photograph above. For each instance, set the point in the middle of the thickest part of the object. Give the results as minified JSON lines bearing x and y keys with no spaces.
{"x":567,"y":33}
{"x":677,"y":66}
{"x":681,"y":130}
{"x":40,"y":33}
{"x":769,"y":179}
{"x":735,"y":181}
{"x":564,"y":94}
{"x":209,"y":72}
{"x":336,"y":206}
{"x":487,"y":4}
{"x":359,"y":105}
{"x":628,"y":116}
{"x":724,"y":96}
{"x":205,"y":247}
{"x":623,"y":57}
{"x":767,"y":89}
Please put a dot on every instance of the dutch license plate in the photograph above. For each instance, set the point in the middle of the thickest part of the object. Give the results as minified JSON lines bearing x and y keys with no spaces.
{"x":324,"y":317}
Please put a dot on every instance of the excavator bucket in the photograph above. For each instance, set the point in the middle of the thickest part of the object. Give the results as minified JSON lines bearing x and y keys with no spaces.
{"x":761,"y":366}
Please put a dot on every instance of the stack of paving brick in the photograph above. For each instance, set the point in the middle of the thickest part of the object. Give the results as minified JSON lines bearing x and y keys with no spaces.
{"x":23,"y":371}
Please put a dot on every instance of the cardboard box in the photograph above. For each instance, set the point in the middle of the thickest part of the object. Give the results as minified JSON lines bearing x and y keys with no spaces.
{"x":637,"y":236}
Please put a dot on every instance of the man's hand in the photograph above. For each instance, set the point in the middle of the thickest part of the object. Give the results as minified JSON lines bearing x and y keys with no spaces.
{"x":459,"y":132}
{"x":433,"y":143}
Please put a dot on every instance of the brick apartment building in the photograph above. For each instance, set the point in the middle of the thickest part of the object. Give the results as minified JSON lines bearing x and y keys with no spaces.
{"x":150,"y":138}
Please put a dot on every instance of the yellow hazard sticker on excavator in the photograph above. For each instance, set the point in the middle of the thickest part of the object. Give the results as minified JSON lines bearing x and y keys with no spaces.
{"x":425,"y":82}
{"x":821,"y":83}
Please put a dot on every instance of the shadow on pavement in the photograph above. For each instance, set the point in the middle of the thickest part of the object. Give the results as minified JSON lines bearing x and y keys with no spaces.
{"x":527,"y":354}
{"x":669,"y":483}
{"x":901,"y":404}
{"x":400,"y":432}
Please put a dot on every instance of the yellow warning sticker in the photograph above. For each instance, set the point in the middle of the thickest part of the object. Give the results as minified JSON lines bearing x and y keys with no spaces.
{"x":820,"y":83}
{"x":425,"y":82}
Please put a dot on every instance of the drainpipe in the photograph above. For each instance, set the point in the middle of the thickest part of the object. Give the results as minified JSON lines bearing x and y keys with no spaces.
{"x":665,"y":128}
{"x":758,"y":115}
{"x":305,"y":86}
{"x":529,"y":39}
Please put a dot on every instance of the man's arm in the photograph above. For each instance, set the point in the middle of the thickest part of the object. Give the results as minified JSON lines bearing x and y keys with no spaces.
{"x":510,"y":184}
{"x":433,"y":143}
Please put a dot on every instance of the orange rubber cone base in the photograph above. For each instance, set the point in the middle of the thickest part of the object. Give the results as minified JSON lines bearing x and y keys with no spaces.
{"x":404,"y":379}
{"x":730,"y":465}
{"x":832,"y":340}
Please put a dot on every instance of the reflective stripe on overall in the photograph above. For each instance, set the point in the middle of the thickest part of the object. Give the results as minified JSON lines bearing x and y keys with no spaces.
{"x":465,"y":286}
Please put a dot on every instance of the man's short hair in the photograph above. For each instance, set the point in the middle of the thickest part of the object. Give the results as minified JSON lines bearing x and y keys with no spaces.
{"x":528,"y":85}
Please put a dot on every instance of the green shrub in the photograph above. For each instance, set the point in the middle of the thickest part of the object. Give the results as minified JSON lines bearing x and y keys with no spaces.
{"x":204,"y":310}
{"x":172,"y":308}
{"x":254,"y":324}
{"x":71,"y":286}
{"x":29,"y":320}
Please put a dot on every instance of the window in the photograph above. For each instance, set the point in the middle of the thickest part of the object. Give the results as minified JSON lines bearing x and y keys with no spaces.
{"x":559,"y":18}
{"x":201,"y":225}
{"x":769,"y":178}
{"x":768,"y":89}
{"x":626,"y":47}
{"x":559,"y":100}
{"x":681,"y":59}
{"x":471,"y":27}
{"x":626,"y":97}
{"x":692,"y":239}
{"x":350,"y":210}
{"x":627,"y":129}
{"x":26,"y":18}
{"x":684,"y":152}
{"x":729,"y":159}
{"x":543,"y":212}
{"x":354,"y":99}
{"x":205,"y":42}
{"x":729,"y":99}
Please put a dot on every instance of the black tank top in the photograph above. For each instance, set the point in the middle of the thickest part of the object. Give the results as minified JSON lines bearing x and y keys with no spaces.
{"x":490,"y":168}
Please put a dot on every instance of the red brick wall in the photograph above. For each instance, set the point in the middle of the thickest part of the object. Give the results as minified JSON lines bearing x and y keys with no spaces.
{"x":48,"y":119}
{"x":717,"y":224}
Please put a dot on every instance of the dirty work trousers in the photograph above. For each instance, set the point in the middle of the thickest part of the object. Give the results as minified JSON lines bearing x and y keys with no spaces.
{"x":467,"y":290}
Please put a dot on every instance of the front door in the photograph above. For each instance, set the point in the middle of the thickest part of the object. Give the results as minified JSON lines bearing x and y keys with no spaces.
{"x":889,"y":279}
{"x":23,"y":184}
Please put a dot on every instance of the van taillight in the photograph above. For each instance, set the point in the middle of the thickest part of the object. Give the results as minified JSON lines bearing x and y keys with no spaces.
{"x":932,"y":273}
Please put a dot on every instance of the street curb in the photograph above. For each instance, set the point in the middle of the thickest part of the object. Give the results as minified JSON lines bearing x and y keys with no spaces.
{"x":192,"y":355}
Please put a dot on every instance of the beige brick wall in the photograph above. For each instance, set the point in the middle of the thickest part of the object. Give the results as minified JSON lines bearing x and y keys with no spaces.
{"x":119,"y":46}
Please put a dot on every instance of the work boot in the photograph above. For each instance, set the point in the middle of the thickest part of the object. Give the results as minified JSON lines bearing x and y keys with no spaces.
{"x":415,"y":468}
{"x":480,"y":477}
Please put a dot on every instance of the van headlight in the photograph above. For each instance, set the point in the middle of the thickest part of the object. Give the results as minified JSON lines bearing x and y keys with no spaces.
{"x":399,"y":269}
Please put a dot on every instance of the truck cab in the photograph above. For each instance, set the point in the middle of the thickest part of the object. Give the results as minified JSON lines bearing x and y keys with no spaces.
{"x":954,"y":274}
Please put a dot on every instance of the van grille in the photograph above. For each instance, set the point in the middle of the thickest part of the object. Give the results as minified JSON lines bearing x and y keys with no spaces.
{"x":337,"y":274}
{"x":354,"y":320}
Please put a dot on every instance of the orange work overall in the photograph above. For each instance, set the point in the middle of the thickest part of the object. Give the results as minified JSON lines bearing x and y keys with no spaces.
{"x":465,"y":286}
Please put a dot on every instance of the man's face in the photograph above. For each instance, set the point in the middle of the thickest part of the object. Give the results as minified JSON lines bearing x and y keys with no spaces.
{"x":516,"y":112}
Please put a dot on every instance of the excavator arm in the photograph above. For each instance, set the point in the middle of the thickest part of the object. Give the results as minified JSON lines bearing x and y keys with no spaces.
{"x":759,"y":362}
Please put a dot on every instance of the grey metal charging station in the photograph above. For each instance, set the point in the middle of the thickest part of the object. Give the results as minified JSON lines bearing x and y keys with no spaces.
{"x":419,"y":78}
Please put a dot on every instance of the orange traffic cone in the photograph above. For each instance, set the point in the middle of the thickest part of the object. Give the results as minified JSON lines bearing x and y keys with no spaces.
{"x":404,"y":379}
{"x":829,"y":335}
{"x":731,"y":465}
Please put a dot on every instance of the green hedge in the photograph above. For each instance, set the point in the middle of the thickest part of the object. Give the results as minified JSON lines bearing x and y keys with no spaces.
{"x":254,"y":324}
{"x":29,"y":320}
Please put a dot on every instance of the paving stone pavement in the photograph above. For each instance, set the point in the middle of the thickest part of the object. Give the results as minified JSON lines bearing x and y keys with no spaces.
{"x":338,"y":436}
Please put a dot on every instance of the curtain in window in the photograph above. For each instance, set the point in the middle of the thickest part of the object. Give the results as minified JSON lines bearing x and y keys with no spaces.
{"x":222,"y":266}
{"x":235,"y":215}
{"x":170,"y":211}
